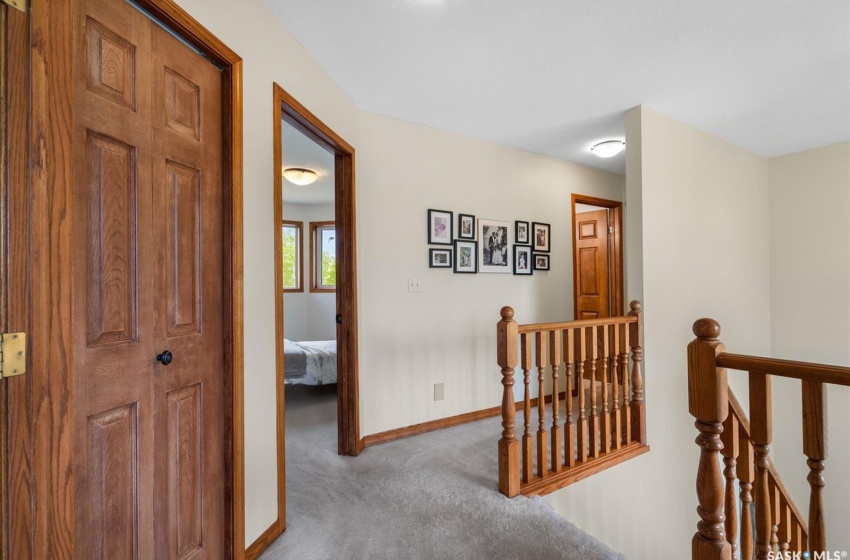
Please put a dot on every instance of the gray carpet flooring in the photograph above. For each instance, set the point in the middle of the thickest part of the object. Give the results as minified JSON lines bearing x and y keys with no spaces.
{"x":431,"y":496}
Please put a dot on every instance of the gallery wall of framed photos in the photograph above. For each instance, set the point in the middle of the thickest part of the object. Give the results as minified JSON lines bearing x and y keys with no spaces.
{"x":484,"y":245}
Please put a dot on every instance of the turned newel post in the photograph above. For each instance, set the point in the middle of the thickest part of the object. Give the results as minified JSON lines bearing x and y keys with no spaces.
{"x":507,"y":332}
{"x":708,"y":401}
{"x":637,"y":409}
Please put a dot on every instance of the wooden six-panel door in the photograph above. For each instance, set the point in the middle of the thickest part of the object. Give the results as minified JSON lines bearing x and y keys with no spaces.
{"x":148,"y":437}
{"x":591,"y":262}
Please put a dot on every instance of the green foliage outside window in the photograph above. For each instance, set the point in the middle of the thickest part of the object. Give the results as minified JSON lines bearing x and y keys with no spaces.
{"x":290,"y":258}
{"x":328,"y":240}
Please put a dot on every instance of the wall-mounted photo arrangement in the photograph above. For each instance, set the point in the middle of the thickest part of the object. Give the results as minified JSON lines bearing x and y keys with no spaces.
{"x":522,"y":260}
{"x":494,"y":243}
{"x":541,"y":262}
{"x":440,"y":258}
{"x":465,"y":256}
{"x":465,"y":226}
{"x":440,"y":227}
{"x":521,"y":233}
{"x":541,"y":236}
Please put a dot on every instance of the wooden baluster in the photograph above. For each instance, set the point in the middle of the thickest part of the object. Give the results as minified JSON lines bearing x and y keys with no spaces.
{"x":815,"y":448}
{"x":730,"y":452}
{"x":507,"y":335}
{"x":581,"y":347}
{"x":569,"y":425}
{"x":527,"y":438}
{"x":556,"y":434}
{"x":593,"y":352}
{"x":638,"y":416}
{"x":746,"y":476}
{"x":775,"y":513}
{"x":624,"y":375}
{"x":708,"y":402}
{"x":616,"y":436}
{"x":605,"y":431}
{"x":785,"y":524}
{"x":542,"y":444}
{"x":761,"y":409}
{"x":796,"y":535}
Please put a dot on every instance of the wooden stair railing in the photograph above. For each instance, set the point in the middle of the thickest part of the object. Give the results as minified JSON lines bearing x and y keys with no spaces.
{"x":724,"y":430}
{"x":603,"y":420}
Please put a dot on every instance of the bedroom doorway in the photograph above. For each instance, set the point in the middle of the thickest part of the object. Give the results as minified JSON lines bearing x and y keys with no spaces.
{"x":316,"y":295}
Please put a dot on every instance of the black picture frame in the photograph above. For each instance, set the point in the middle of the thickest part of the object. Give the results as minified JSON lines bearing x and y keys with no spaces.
{"x":466,"y":256}
{"x":469,"y":219}
{"x":518,"y":238}
{"x":539,"y":264}
{"x":432,"y":253}
{"x":546,"y":245}
{"x":440,"y":227}
{"x":523,"y":267}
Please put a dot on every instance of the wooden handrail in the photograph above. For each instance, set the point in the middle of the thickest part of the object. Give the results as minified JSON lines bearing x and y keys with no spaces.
{"x":745,"y":447}
{"x":545,"y":327}
{"x":834,"y":375}
{"x":603,"y":420}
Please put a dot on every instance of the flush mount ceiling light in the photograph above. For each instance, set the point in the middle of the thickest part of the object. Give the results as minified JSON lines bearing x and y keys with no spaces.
{"x":609,"y":148}
{"x":300,"y":176}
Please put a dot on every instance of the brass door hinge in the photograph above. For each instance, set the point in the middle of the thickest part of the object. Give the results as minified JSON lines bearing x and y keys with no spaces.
{"x":17,"y":4}
{"x":13,"y":354}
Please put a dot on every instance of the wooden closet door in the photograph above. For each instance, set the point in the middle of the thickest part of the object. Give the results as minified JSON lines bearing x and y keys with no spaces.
{"x":113,"y":344}
{"x":188,"y":301}
{"x":148,"y":261}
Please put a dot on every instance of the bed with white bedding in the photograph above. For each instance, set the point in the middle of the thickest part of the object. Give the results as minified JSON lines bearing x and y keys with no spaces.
{"x":309,"y":362}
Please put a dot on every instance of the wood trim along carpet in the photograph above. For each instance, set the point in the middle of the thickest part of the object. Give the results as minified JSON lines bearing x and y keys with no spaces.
{"x":264,"y":541}
{"x":451,"y":421}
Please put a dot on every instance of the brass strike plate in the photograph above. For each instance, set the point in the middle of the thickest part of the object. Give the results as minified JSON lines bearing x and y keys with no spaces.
{"x":17,"y":4}
{"x":14,"y":347}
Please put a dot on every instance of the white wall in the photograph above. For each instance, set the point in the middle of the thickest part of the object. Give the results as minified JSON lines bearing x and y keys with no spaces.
{"x":810,"y":319}
{"x":309,"y":315}
{"x":270,"y":54}
{"x":702,"y":213}
{"x":446,"y":334}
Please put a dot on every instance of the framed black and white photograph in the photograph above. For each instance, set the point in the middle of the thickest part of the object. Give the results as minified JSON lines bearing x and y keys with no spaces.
{"x":541,"y":262}
{"x":540,"y":235}
{"x":466,"y":256}
{"x":465,"y":226}
{"x":521,"y":233}
{"x":493,"y":246}
{"x":522,"y":260}
{"x":440,"y":227}
{"x":440,"y":258}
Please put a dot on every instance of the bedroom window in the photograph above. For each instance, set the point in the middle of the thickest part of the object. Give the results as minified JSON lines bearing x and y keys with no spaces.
{"x":293,"y":252}
{"x":323,"y":257}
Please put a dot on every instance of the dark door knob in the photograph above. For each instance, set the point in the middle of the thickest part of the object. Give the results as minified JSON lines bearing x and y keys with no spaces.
{"x":165,"y":358}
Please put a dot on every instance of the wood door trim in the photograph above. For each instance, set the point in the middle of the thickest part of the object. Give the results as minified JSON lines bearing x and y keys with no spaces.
{"x":616,"y":207}
{"x":51,"y":149}
{"x":348,"y":411}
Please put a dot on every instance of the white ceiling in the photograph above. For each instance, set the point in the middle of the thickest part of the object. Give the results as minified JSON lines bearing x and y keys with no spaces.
{"x":556,"y":76}
{"x":299,"y":150}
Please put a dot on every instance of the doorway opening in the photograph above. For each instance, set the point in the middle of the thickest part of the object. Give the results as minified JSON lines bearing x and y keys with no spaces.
{"x":316,"y":280}
{"x":597,"y":257}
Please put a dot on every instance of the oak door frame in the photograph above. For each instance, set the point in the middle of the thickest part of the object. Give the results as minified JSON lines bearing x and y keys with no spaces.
{"x":49,"y":163}
{"x":348,"y":412}
{"x":615,"y":259}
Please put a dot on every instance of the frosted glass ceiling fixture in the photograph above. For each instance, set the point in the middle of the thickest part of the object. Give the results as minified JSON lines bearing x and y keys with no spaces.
{"x":609,"y":148}
{"x":300,"y":176}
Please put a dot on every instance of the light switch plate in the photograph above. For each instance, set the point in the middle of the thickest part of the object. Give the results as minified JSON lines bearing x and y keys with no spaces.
{"x":414,"y":286}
